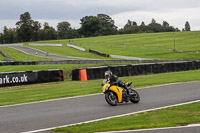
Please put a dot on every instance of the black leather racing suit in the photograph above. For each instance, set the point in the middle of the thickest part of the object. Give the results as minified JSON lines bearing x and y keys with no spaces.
{"x":115,"y":81}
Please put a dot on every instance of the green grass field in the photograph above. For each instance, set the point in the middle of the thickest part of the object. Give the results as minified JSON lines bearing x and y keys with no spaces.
{"x":1,"y":58}
{"x":170,"y":117}
{"x":68,"y":88}
{"x":144,"y":45}
{"x":17,"y":55}
{"x":67,"y":51}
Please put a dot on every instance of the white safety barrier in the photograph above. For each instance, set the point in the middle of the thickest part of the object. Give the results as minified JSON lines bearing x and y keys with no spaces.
{"x":37,"y":44}
{"x":11,"y":45}
{"x":127,"y":57}
{"x":76,"y":47}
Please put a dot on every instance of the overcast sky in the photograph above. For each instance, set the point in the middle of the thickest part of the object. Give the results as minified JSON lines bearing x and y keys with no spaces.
{"x":175,"y":12}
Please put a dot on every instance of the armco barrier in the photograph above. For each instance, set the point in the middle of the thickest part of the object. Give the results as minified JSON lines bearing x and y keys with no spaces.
{"x":127,"y":57}
{"x":98,"y":53}
{"x":30,"y":77}
{"x":47,"y":44}
{"x":76,"y":47}
{"x":6,"y":58}
{"x":138,"y":69}
{"x":11,"y":45}
{"x":5,"y":63}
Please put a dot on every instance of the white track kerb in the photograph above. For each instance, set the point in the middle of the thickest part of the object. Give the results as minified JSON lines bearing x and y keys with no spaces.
{"x":164,"y":107}
{"x":152,"y":129}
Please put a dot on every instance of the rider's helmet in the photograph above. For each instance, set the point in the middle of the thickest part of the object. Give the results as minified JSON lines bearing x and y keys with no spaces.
{"x":108,"y":74}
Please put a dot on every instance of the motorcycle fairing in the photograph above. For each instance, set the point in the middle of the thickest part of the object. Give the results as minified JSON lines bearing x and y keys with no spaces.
{"x":118,"y":91}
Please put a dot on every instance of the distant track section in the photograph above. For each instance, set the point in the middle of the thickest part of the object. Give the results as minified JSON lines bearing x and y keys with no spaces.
{"x":40,"y":53}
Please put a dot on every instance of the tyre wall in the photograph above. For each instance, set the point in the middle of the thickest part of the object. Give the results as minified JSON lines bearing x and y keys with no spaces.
{"x":138,"y":69}
{"x":30,"y":77}
{"x":98,"y":53}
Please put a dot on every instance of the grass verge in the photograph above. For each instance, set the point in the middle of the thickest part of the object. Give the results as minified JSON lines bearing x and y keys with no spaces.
{"x":68,"y":88}
{"x":169,"y":117}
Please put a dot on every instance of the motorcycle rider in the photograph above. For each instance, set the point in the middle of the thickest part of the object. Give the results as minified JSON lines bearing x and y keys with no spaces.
{"x":114,"y":81}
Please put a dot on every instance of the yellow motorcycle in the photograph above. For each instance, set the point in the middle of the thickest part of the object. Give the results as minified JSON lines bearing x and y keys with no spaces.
{"x":115,"y":94}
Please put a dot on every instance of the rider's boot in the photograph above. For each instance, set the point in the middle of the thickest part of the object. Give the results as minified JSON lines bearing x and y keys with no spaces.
{"x":129,"y":91}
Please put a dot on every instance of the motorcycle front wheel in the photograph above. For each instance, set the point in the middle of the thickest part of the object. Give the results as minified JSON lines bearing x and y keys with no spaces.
{"x":135,"y":98}
{"x":111,"y":98}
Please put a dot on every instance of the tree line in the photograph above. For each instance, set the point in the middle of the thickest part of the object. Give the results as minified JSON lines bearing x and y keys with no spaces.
{"x":29,"y":30}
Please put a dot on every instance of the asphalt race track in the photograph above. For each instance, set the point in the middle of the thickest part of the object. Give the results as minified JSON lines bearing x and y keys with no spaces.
{"x":42,"y":115}
{"x":40,"y":53}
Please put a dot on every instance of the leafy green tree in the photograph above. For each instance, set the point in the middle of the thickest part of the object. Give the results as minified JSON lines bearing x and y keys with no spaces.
{"x":130,"y":27}
{"x":1,"y":38}
{"x":90,"y":26}
{"x":168,"y":28}
{"x":134,"y":23}
{"x":155,"y":27}
{"x":46,"y":25}
{"x":128,"y":24}
{"x":142,"y":24}
{"x":107,"y":25}
{"x":64,"y":30}
{"x":143,"y":27}
{"x":9,"y":35}
{"x":48,"y":32}
{"x":187,"y":26}
{"x":165,"y":24}
{"x":153,"y":21}
{"x":25,"y":27}
{"x":36,"y":31}
{"x":101,"y":24}
{"x":129,"y":30}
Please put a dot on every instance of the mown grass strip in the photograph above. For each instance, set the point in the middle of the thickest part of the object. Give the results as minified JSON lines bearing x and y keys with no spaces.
{"x":169,"y":117}
{"x":68,"y":88}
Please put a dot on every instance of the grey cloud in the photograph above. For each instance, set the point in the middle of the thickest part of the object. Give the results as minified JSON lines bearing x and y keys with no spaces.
{"x":76,"y":9}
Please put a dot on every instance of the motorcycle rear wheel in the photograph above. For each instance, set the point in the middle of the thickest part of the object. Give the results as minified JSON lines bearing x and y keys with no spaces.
{"x":135,"y":98}
{"x":111,"y":98}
